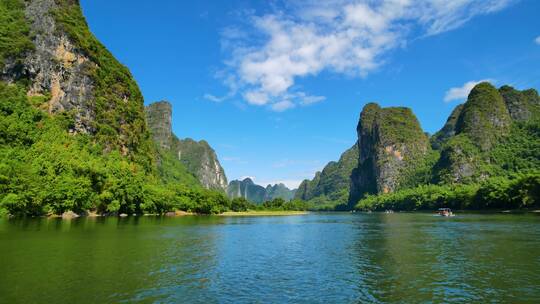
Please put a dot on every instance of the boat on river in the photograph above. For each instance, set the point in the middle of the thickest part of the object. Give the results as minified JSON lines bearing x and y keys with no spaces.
{"x":445,"y":212}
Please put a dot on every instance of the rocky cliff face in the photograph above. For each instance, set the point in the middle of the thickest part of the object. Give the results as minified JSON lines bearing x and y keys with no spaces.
{"x":256,"y":193}
{"x":56,"y":67}
{"x":72,"y":70}
{"x":197,"y":157}
{"x":390,"y":141}
{"x":333,"y":182}
{"x":522,"y":105}
{"x":200,"y":159}
{"x":494,"y":133}
{"x":246,"y":189}
{"x":159,"y":120}
{"x":485,"y":118}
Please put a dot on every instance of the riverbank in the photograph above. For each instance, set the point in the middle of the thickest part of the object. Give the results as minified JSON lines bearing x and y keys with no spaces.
{"x":263,"y":213}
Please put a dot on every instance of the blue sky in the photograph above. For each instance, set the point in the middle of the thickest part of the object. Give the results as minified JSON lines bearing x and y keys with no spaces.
{"x":276,"y":87}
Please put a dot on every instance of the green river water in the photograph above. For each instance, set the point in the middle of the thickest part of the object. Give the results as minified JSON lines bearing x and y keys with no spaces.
{"x":314,"y":258}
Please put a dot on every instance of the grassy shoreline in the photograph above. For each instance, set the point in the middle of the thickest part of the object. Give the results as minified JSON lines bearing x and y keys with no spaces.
{"x":263,"y":213}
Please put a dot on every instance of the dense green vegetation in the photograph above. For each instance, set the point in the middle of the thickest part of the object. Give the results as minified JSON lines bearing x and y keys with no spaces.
{"x":488,"y":147}
{"x":46,"y":170}
{"x":484,"y":117}
{"x":487,"y":161}
{"x":170,"y":170}
{"x":486,"y":156}
{"x":517,"y":191}
{"x":120,"y":119}
{"x":14,"y":31}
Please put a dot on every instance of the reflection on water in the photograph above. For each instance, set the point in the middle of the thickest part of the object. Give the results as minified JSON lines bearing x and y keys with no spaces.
{"x":318,"y":258}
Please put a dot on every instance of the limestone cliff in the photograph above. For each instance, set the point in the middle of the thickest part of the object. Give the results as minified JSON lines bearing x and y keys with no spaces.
{"x":72,"y":70}
{"x":246,"y":189}
{"x":159,"y":120}
{"x":197,"y":157}
{"x":485,"y":120}
{"x":522,"y":105}
{"x":390,"y":142}
{"x":200,"y":159}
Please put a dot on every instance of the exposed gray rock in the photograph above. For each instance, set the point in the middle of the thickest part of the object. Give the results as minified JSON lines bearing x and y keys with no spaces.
{"x":390,"y":141}
{"x":55,"y":68}
{"x":522,"y":105}
{"x":201,"y":160}
{"x":159,"y":120}
{"x":246,"y":189}
{"x":197,"y":156}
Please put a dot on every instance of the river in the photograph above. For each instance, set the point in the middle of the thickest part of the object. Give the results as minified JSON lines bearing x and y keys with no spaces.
{"x":314,"y":258}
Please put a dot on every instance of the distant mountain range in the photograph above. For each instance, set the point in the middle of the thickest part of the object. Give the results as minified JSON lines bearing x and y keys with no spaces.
{"x":256,"y":193}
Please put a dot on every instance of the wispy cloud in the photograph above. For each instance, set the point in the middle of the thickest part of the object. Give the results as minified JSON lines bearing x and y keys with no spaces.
{"x":537,"y":40}
{"x":349,"y":37}
{"x":460,"y":93}
{"x":235,"y":160}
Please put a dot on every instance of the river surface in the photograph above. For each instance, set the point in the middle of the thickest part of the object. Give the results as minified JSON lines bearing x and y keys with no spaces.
{"x":315,"y":258}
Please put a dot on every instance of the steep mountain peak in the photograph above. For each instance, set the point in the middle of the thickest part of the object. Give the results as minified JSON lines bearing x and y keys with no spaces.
{"x":248,"y":181}
{"x":159,"y":120}
{"x":522,"y":105}
{"x":256,"y":193}
{"x":390,"y":140}
{"x":484,"y":117}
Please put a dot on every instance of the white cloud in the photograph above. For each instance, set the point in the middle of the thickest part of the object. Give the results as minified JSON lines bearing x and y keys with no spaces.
{"x":256,"y":98}
{"x":282,"y":105}
{"x":537,"y":40}
{"x":214,"y":98}
{"x":348,"y":37}
{"x":460,"y":93}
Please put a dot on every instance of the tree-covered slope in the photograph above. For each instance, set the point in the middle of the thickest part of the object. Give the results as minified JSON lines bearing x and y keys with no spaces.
{"x":197,"y":157}
{"x":73,"y":133}
{"x":332,"y":184}
{"x":488,"y":145}
{"x":489,"y":156}
{"x":278,"y":191}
